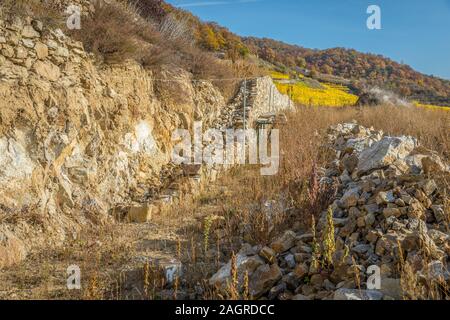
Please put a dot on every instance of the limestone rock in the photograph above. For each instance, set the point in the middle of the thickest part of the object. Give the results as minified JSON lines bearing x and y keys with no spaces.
{"x":385,"y":152}
{"x":7,"y":51}
{"x":350,"y":198}
{"x":355,"y":294}
{"x":385,"y":197}
{"x":439,"y":238}
{"x":29,"y":32}
{"x":267,"y":254}
{"x":28,"y":43}
{"x":21,"y":53}
{"x":439,"y":213}
{"x":41,"y":50}
{"x":429,"y":186}
{"x":284,"y":243}
{"x":389,"y":212}
{"x":37,"y":25}
{"x":350,"y":162}
{"x":47,"y":70}
{"x":140,"y":214}
{"x":263,"y":279}
{"x":243,"y":263}
{"x":301,"y":270}
{"x":437,"y":271}
{"x":372,"y":208}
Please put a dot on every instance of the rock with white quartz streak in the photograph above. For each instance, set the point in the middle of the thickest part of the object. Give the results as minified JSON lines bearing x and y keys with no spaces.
{"x":385,"y":152}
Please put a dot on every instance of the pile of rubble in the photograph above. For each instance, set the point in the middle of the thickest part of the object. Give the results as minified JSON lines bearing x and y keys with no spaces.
{"x":389,"y":216}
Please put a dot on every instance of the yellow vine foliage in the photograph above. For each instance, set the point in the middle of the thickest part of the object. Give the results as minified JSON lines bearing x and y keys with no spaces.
{"x":330,"y":95}
{"x":430,"y":106}
{"x":279,"y":75}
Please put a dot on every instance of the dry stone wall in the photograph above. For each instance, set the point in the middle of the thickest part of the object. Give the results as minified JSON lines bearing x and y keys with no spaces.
{"x":268,"y":99}
{"x":78,"y":139}
{"x":260,"y":97}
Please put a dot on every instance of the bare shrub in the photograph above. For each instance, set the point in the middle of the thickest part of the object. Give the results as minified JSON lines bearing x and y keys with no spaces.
{"x":155,"y":56}
{"x":117,"y":34}
{"x":245,"y":69}
{"x":45,"y":11}
{"x":176,"y":30}
{"x":117,"y":31}
{"x":114,"y":32}
{"x":205,"y":66}
{"x":150,"y":9}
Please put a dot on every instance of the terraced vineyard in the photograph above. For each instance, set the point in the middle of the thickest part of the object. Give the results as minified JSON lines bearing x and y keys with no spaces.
{"x":430,"y":106}
{"x":307,"y":93}
{"x":279,"y":75}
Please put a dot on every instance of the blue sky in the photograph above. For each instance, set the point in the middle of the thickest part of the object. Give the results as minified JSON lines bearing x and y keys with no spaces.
{"x":416,"y":32}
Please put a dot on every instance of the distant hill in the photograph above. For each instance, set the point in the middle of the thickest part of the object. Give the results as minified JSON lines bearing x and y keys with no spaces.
{"x":360,"y":69}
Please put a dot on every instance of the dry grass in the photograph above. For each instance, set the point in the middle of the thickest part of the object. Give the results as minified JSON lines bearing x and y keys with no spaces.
{"x":205,"y":230}
{"x":241,"y":204}
{"x":99,"y":253}
{"x":46,"y":12}
{"x":115,"y":32}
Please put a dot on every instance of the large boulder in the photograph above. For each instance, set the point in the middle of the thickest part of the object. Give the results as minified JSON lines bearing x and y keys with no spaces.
{"x":385,"y":152}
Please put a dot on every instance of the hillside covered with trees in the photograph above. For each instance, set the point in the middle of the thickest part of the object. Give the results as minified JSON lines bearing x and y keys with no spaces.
{"x":361,"y":69}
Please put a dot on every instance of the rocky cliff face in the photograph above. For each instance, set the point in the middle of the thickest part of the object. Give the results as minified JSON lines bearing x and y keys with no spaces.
{"x":77,"y":139}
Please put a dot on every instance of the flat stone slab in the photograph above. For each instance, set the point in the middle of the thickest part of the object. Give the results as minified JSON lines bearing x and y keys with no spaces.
{"x":355,"y":294}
